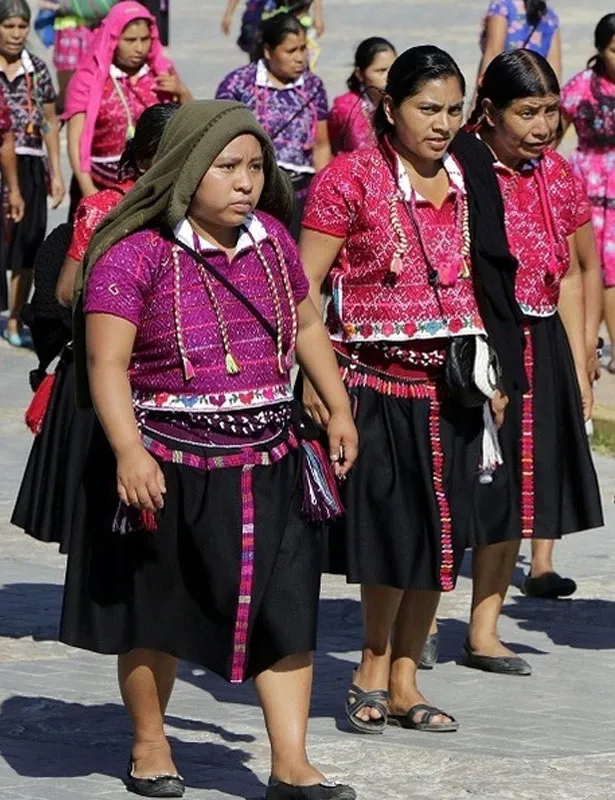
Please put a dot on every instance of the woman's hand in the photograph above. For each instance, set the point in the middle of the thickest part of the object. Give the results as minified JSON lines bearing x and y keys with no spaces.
{"x":17,"y":206}
{"x":171,"y":83}
{"x":314,"y":405}
{"x":593,"y":366}
{"x":343,"y":441}
{"x":226,"y":24}
{"x":498,"y":407}
{"x":140,"y":482}
{"x":57,"y":190}
{"x":587,"y":395}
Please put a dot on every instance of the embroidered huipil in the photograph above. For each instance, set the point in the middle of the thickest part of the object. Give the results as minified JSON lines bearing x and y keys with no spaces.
{"x":350,"y":123}
{"x":519,"y":29}
{"x":303,"y":101}
{"x":89,"y":214}
{"x":588,"y":100}
{"x":119,"y":112}
{"x":25,"y":95}
{"x":356,"y":198}
{"x":135,"y":280}
{"x":544,"y":204}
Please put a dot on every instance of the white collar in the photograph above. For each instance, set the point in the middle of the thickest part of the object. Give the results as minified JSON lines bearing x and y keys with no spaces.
{"x":262,"y":78}
{"x":27,"y":65}
{"x":116,"y":72}
{"x":252,"y":230}
{"x":453,"y":171}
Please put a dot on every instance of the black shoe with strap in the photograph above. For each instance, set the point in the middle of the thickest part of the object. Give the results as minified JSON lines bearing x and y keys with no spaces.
{"x":549,"y":586}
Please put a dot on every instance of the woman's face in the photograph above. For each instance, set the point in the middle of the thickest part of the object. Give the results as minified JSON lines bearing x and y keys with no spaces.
{"x":523,"y":130}
{"x":426,"y":123}
{"x":288,"y":61}
{"x":232,"y":186}
{"x":13,"y":34}
{"x":134,"y":46}
{"x":375,"y":76}
{"x":607,"y":56}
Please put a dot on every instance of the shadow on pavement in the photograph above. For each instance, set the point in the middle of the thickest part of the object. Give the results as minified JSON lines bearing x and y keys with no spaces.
{"x":586,"y":624}
{"x":48,"y":738}
{"x":30,"y":609}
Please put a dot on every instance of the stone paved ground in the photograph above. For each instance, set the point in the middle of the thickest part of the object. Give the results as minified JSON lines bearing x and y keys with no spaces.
{"x":550,"y":737}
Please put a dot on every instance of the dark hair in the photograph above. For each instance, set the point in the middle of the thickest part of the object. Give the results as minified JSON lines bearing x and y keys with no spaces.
{"x":273,"y":32}
{"x":15,"y":8}
{"x":364,"y":57}
{"x":410,"y":72}
{"x":511,"y":76}
{"x":603,"y":35}
{"x":535,"y":10}
{"x":148,"y":133}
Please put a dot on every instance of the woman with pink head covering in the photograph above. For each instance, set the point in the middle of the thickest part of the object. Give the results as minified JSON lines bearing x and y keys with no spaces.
{"x":125,"y":72}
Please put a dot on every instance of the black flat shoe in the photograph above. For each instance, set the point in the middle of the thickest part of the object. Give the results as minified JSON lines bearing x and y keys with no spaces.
{"x":429,"y":656}
{"x":155,"y":785}
{"x":327,"y":790}
{"x":501,"y":665}
{"x":549,"y":586}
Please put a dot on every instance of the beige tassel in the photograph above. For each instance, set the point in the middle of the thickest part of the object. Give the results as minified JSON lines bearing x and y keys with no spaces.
{"x":232,"y":367}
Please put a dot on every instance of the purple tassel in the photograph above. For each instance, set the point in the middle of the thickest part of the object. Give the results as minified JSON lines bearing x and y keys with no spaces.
{"x":321,"y":498}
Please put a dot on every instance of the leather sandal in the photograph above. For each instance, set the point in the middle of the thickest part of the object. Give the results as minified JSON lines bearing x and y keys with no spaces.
{"x":424,"y":723}
{"x":358,"y":699}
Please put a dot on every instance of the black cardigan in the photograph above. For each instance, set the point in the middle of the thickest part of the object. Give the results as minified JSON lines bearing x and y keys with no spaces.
{"x":494,"y":266}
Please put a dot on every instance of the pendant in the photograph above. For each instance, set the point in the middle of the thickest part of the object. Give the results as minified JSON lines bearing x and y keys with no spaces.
{"x":30,"y":129}
{"x":396,"y":266}
{"x":130,"y":132}
{"x":465,"y":268}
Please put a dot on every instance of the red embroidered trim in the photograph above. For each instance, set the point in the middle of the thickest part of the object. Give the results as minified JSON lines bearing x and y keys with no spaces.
{"x":425,"y":390}
{"x":246,"y":581}
{"x":527,"y":442}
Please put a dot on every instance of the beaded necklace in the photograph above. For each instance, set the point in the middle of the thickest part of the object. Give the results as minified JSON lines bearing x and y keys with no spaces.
{"x":461,"y":228}
{"x":231,"y":363}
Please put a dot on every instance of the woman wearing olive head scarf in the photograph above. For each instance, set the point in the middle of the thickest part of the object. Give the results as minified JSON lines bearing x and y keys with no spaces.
{"x":195,"y":302}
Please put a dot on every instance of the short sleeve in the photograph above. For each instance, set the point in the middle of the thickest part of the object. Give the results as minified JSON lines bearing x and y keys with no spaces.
{"x":119,"y":283}
{"x":334,"y":200}
{"x":230,"y":88}
{"x":5,"y":115}
{"x":498,"y":8}
{"x":296,"y":274}
{"x":321,"y":102}
{"x":573,"y":94}
{"x":573,"y":208}
{"x":87,"y":218}
{"x":46,"y":91}
{"x":583,"y":209}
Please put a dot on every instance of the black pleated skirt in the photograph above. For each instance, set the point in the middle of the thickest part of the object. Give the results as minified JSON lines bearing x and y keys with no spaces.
{"x":231,"y":592}
{"x":408,"y":498}
{"x":548,"y":485}
{"x":51,"y":497}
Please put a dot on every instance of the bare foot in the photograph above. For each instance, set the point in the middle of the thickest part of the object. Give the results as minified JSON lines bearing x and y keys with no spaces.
{"x":154,"y":758}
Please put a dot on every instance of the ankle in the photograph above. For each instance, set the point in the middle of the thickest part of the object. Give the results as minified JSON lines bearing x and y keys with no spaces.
{"x":296,"y":771}
{"x":538,"y":570}
{"x":479,"y":639}
{"x":144,"y":745}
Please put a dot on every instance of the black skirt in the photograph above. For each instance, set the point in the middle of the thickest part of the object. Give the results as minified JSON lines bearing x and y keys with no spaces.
{"x":408,"y":497}
{"x":229,"y":580}
{"x":548,"y":482}
{"x":27,"y":236}
{"x":51,"y":498}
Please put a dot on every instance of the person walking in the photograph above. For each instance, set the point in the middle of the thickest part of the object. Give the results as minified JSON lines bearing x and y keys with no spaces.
{"x":289,"y":101}
{"x":351,"y":123}
{"x":194,"y":304}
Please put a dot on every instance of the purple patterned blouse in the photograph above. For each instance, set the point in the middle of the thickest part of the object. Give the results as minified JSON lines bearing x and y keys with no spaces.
{"x":134,"y":280}
{"x":274,"y":107}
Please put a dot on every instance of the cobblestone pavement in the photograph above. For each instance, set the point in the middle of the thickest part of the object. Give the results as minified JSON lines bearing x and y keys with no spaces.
{"x":63,"y":733}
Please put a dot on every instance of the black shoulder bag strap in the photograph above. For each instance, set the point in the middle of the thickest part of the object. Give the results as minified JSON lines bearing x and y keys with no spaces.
{"x":294,"y":116}
{"x":268,"y":327}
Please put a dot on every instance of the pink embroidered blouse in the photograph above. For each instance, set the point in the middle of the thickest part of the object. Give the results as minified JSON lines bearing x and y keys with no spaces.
{"x":544,"y":205}
{"x":134,"y":280}
{"x":357,"y":198}
{"x":350,"y":123}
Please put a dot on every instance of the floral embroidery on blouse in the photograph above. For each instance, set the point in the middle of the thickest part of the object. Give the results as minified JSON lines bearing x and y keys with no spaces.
{"x":26,"y":94}
{"x":274,"y":107}
{"x":205,"y":403}
{"x":89,"y":214}
{"x":544,"y":204}
{"x":519,"y":29}
{"x":588,"y":100}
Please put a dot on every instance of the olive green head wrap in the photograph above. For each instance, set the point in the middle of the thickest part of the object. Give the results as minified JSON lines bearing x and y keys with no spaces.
{"x":192,"y":140}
